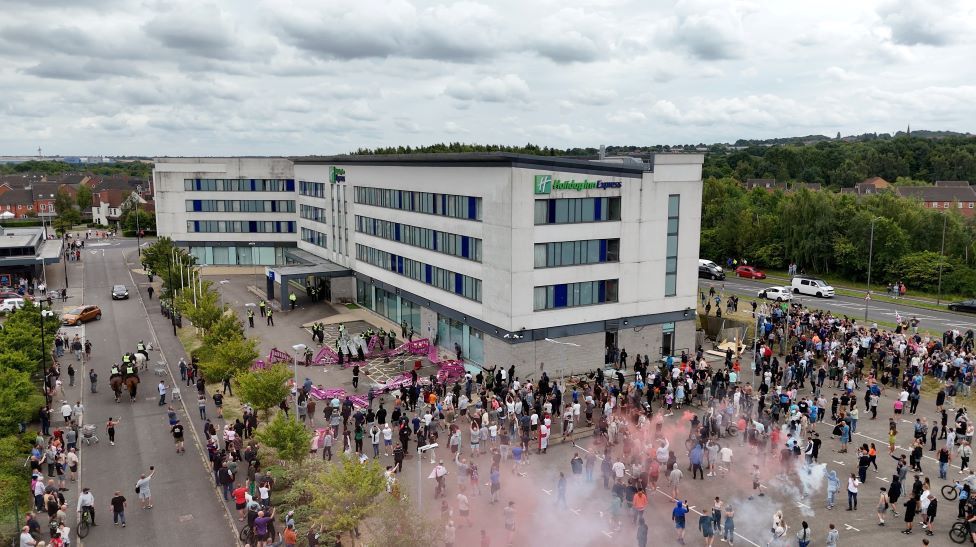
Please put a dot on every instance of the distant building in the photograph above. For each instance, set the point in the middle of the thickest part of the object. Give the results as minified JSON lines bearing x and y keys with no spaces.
{"x":766,"y":184}
{"x":873,"y":185}
{"x":17,"y":201}
{"x":812,"y":186}
{"x":107,"y":206}
{"x":945,"y":196}
{"x":952,"y":183}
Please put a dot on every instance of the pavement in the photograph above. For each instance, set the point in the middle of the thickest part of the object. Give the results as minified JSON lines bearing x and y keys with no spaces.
{"x":186,"y":508}
{"x":852,"y":306}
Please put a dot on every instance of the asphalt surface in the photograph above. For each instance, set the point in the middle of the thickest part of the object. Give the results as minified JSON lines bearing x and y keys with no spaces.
{"x":851,"y":306}
{"x":186,"y":508}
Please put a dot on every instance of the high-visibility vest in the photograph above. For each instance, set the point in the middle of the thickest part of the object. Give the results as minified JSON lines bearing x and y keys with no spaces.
{"x":292,"y":297}
{"x":129,"y":370}
{"x":125,"y":358}
{"x":141,"y":346}
{"x":115,"y":370}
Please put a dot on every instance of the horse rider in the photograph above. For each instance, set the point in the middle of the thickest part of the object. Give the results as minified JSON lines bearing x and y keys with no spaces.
{"x":141,"y":348}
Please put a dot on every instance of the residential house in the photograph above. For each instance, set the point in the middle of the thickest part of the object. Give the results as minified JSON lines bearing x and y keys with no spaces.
{"x":959,"y":197}
{"x":872,"y":185}
{"x":17,"y":201}
{"x":766,"y":184}
{"x":107,"y":206}
{"x":812,"y":186}
{"x":45,"y":193}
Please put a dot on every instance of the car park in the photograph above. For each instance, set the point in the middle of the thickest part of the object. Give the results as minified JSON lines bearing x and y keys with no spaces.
{"x":120,"y":292}
{"x":81,"y":314}
{"x":964,"y":305}
{"x":812,"y":286}
{"x":710,"y":270}
{"x":750,"y":272}
{"x":779,"y":294}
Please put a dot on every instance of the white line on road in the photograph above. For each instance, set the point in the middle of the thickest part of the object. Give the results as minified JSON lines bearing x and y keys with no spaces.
{"x":849,"y":527}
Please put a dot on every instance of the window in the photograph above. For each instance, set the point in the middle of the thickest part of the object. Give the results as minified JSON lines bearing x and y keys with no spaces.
{"x":442,"y":242}
{"x":463,"y":207}
{"x":970,"y":205}
{"x":239,"y":185}
{"x":240,"y":227}
{"x":459,"y":284}
{"x":572,"y":295}
{"x":239,"y":206}
{"x":575,"y":210}
{"x":317,"y":214}
{"x":671,"y":258}
{"x":575,"y":253}
{"x":945,"y":205}
{"x":313,"y":237}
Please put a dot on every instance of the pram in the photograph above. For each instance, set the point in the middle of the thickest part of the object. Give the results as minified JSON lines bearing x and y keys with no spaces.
{"x":88,"y":434}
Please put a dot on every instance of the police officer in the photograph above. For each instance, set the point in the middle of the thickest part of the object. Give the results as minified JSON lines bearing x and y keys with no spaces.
{"x":125,"y":360}
{"x":141,"y":348}
{"x":270,"y":316}
{"x":115,"y":369}
{"x":250,"y":317}
{"x":292,"y":299}
{"x":261,"y":306}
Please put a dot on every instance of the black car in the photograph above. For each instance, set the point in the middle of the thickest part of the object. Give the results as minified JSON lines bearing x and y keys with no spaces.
{"x":119,"y":292}
{"x":965,"y":305}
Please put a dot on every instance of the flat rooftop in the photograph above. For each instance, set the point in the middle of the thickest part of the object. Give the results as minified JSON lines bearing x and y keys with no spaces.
{"x":21,"y":237}
{"x":484,"y":159}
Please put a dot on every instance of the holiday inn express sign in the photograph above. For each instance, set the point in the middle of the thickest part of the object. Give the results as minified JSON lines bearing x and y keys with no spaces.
{"x":545,"y":184}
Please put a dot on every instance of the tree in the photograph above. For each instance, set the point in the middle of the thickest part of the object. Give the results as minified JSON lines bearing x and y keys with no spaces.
{"x":207,"y":310}
{"x":226,"y":327}
{"x":84,"y":198}
{"x":17,"y":399}
{"x":146,"y":220}
{"x":64,"y":206}
{"x":395,"y":523}
{"x":288,"y":436}
{"x":349,"y":493}
{"x":229,"y":358}
{"x":263,"y":389}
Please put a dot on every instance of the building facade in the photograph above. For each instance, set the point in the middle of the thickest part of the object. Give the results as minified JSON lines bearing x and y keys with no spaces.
{"x":540,"y":262}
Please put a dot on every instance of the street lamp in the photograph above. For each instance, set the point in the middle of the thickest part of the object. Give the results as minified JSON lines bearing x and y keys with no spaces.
{"x":44,"y":313}
{"x":867,"y":297}
{"x":945,"y":220}
{"x":420,"y":479}
{"x":299,"y":350}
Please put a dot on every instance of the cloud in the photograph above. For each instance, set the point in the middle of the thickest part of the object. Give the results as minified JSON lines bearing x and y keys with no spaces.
{"x":710,"y":30}
{"x":839,"y":74}
{"x":919,"y":22}
{"x":594,"y":96}
{"x":65,"y":68}
{"x":490,"y":89}
{"x":627,"y":116}
{"x":198,"y":30}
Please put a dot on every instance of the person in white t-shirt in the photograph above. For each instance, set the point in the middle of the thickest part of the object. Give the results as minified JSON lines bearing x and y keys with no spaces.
{"x":726,"y":455}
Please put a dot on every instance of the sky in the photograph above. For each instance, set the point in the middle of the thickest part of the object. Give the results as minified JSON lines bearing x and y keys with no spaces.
{"x":295,"y":77}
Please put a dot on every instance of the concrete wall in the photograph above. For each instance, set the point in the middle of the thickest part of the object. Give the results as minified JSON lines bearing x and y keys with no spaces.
{"x":428,"y":323}
{"x":558,"y":359}
{"x":643,"y":340}
{"x":343,"y":288}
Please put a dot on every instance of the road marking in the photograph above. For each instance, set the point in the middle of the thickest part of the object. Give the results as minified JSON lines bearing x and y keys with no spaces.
{"x":548,"y":492}
{"x":798,"y":504}
{"x":185,"y":518}
{"x":608,"y":534}
{"x":849,"y":527}
{"x":839,"y":463}
{"x":882,"y":479}
{"x":577,"y":511}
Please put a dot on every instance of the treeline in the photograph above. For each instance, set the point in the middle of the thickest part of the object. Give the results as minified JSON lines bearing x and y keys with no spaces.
{"x":133,"y":169}
{"x":839,"y":164}
{"x":829,"y":232}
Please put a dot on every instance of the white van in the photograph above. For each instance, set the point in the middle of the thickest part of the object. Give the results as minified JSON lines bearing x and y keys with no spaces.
{"x":811,"y":286}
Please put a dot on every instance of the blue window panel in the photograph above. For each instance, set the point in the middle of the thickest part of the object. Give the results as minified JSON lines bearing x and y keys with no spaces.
{"x":560,"y":292}
{"x":396,"y":231}
{"x":472,"y":208}
{"x":603,"y":249}
{"x":393,"y":263}
{"x":428,"y":274}
{"x":458,"y":283}
{"x":253,"y":184}
{"x":413,"y":201}
{"x":196,"y":223}
{"x":465,"y":246}
{"x":551,"y":206}
{"x":597,"y":208}
{"x":443,"y":204}
{"x":252,"y":226}
{"x":435,"y":240}
{"x":601,"y":292}
{"x":399,"y":200}
{"x":290,"y":185}
{"x":197,"y":205}
{"x":399,"y":264}
{"x":291,"y":230}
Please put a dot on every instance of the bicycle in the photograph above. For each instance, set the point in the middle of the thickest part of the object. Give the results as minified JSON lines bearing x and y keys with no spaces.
{"x":950,"y":492}
{"x":247,"y":533}
{"x":959,"y":532}
{"x":84,"y":525}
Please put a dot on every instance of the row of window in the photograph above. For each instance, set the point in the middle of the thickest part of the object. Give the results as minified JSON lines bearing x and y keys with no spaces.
{"x":459,"y":284}
{"x":241,"y":226}
{"x":240,"y":206}
{"x":463,"y":207}
{"x":313,"y":237}
{"x":574,"y":253}
{"x":947,"y":205}
{"x":309,"y":212}
{"x":239,"y":185}
{"x":671,"y":258}
{"x":572,"y":210}
{"x":425,"y":238}
{"x":571,"y":295}
{"x":311,"y":189}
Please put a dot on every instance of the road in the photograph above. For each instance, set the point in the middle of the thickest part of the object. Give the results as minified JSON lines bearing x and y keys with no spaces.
{"x":853,"y":306}
{"x":186,"y":509}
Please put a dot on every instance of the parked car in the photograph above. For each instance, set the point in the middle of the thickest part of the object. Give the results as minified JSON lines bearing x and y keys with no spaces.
{"x":119,"y":292}
{"x":11,"y":304}
{"x":779,"y":294}
{"x":710,"y":270}
{"x":13,"y":294}
{"x":750,"y":272}
{"x":964,"y":305}
{"x":82,"y":314}
{"x":811,"y":286}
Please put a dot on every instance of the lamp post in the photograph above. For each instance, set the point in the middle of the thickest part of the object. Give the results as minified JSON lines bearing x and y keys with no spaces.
{"x":420,"y":479}
{"x":44,"y":313}
{"x":138,"y":232}
{"x":299,"y":350}
{"x":945,"y":220}
{"x":172,"y":294}
{"x":867,"y":297}
{"x":64,"y":258}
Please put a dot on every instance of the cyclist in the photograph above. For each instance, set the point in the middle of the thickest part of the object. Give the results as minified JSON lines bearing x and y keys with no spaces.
{"x":86,"y":504}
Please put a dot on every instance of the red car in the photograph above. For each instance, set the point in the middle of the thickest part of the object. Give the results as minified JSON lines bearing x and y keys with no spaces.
{"x":750,"y":272}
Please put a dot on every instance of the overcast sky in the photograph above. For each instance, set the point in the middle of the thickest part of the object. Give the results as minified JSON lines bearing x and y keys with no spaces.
{"x":272,"y":77}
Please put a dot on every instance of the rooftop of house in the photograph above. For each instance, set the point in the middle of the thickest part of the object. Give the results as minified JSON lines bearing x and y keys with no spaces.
{"x":939,"y":193}
{"x":952,"y":183}
{"x":16,"y":196}
{"x":877,"y":182}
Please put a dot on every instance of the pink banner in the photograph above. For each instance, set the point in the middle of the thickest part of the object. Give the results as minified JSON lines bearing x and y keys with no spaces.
{"x":278,"y":356}
{"x":326,"y":356}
